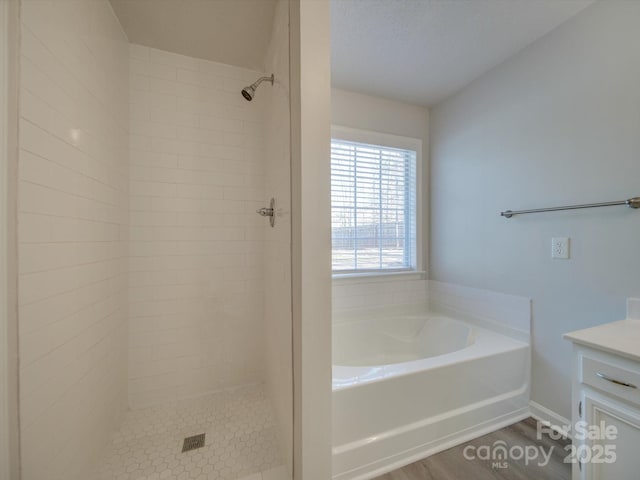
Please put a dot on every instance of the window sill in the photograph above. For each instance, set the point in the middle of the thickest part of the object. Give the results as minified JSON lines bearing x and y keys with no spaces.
{"x":373,"y":277}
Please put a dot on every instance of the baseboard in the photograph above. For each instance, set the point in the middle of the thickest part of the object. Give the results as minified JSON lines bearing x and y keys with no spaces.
{"x":542,"y":414}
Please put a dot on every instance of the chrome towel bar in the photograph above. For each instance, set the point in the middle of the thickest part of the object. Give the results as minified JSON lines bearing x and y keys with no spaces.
{"x":631,"y":202}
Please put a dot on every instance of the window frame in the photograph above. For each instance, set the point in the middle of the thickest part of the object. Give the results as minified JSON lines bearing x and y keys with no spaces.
{"x":339,"y":132}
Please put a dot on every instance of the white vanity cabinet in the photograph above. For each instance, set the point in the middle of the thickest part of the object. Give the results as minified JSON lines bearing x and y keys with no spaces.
{"x":606,"y":402}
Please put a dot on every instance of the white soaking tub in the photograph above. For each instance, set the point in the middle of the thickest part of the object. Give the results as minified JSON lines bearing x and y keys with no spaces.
{"x":408,"y":383}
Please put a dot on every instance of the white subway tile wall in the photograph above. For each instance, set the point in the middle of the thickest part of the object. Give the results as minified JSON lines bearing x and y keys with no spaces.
{"x":196,"y":266}
{"x":277,"y":240}
{"x":73,"y":234}
{"x":358,"y":293}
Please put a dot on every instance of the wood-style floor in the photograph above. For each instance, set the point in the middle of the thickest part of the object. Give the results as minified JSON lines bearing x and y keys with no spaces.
{"x":452,"y":465}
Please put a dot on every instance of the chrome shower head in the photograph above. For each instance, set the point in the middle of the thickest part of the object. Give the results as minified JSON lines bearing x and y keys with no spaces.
{"x":249,"y":92}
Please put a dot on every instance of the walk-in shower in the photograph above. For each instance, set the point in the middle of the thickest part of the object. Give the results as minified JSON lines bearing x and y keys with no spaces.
{"x":156,"y":326}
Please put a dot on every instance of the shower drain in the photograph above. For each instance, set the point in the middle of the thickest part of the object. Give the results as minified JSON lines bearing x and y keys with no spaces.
{"x":191,"y":443}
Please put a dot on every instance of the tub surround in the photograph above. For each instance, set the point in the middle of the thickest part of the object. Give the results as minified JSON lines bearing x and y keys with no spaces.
{"x":388,"y":415}
{"x":365,"y":292}
{"x":507,"y":314}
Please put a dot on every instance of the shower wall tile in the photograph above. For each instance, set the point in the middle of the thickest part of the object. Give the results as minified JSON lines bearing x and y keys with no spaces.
{"x":73,"y":228}
{"x":196,"y":266}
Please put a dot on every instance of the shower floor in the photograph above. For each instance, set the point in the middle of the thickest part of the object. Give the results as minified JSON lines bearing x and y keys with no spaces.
{"x":241,"y":440}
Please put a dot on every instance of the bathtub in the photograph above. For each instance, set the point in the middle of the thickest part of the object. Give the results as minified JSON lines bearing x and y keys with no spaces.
{"x":408,"y":383}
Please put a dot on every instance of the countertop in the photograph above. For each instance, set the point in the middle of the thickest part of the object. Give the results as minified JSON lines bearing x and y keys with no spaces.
{"x":620,"y":338}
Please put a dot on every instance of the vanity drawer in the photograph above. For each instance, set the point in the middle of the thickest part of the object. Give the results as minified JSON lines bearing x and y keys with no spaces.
{"x":613,"y":379}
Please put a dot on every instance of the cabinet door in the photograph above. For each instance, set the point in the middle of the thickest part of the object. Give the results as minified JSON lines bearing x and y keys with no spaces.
{"x":601,"y":412}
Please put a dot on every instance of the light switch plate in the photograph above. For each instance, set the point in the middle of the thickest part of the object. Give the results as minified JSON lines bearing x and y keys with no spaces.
{"x":560,"y":248}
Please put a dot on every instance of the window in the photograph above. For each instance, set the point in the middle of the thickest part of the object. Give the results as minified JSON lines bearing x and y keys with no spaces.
{"x":373,"y":203}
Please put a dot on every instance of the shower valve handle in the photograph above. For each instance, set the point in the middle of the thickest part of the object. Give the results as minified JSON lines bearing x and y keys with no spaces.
{"x":265,"y":212}
{"x":269,"y":211}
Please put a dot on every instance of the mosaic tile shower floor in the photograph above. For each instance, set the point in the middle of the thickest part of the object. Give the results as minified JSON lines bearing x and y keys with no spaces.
{"x":241,"y":440}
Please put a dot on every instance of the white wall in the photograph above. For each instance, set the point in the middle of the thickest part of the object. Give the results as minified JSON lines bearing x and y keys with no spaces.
{"x":73,"y":203}
{"x":557,"y":124}
{"x":311,"y":236}
{"x":355,"y":110}
{"x":277,"y":240}
{"x":196,"y":267}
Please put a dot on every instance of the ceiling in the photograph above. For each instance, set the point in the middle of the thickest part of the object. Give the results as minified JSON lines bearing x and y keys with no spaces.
{"x":236,"y":32}
{"x":421,"y":51}
{"x":416,"y":51}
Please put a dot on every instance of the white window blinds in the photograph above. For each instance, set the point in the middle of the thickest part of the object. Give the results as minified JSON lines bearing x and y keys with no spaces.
{"x":373,"y":207}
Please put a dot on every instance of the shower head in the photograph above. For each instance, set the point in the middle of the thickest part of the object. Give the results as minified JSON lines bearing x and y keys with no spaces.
{"x":249,"y":92}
